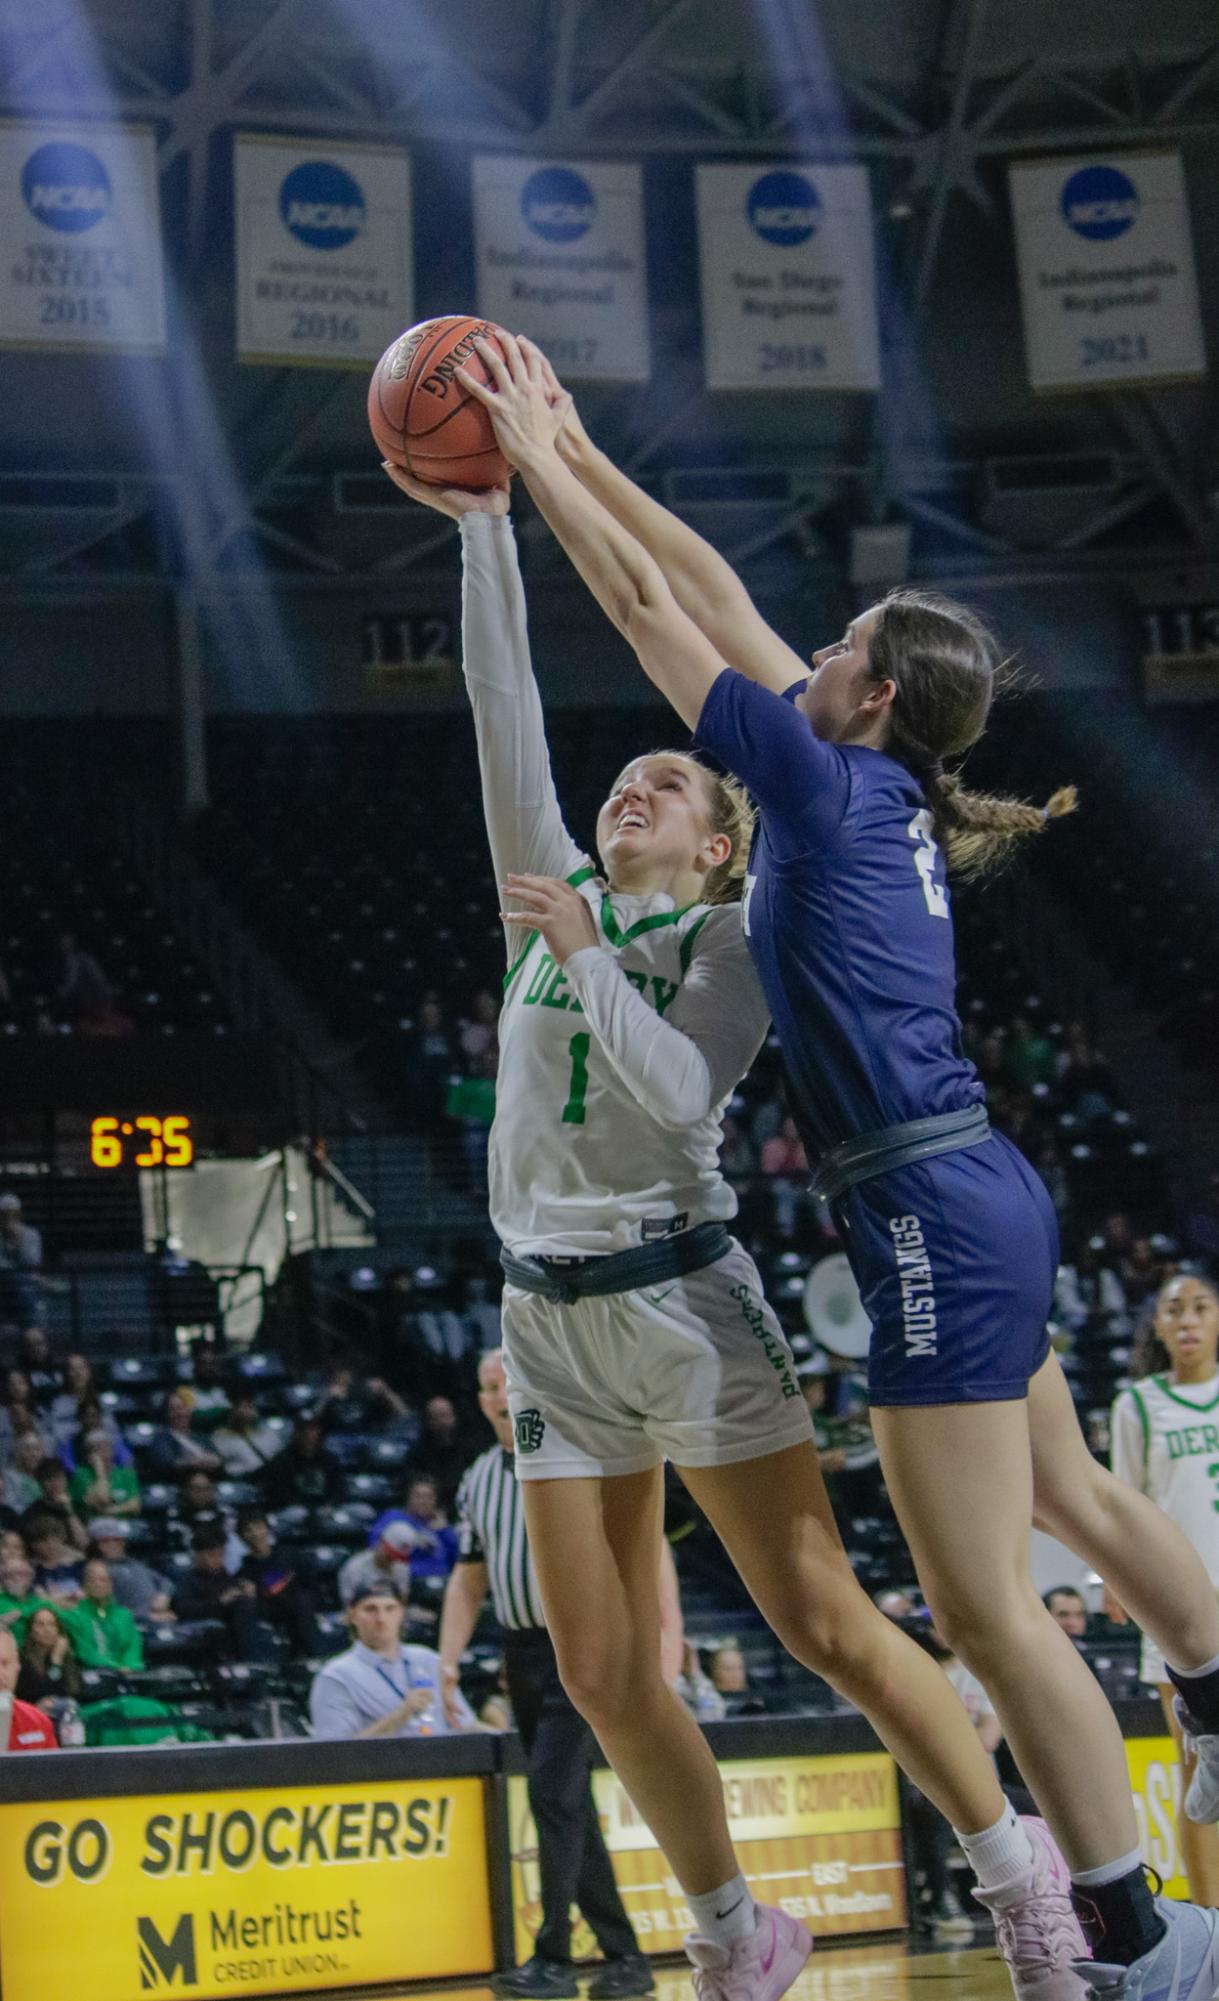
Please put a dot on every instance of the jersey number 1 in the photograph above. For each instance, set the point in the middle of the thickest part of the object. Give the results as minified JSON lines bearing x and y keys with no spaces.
{"x":573,"y":1110}
{"x":924,"y":861}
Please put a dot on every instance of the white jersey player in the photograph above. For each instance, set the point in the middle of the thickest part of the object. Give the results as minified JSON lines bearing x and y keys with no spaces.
{"x":635,"y":1329}
{"x":1165,"y":1442}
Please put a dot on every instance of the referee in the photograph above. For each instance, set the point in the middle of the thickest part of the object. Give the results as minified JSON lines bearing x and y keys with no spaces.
{"x":572,"y":1859}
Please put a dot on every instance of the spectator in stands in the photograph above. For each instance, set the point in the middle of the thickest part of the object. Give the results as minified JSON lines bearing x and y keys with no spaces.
{"x":79,"y":1385}
{"x":81,"y":987}
{"x":442,"y":1450}
{"x":92,"y":1415}
{"x":20,"y":1265}
{"x":381,"y":1687}
{"x":306,"y":1474}
{"x":696,"y":1689}
{"x":98,"y":1486}
{"x":35,"y":1356}
{"x":480,"y":1034}
{"x":17,"y":1411}
{"x":199,"y":1506}
{"x":207,"y":1394}
{"x":22,"y":1465}
{"x":1068,"y":1608}
{"x":1085,"y":1082}
{"x":1143,"y":1272}
{"x":58,"y":1567}
{"x":18,"y":1599}
{"x":102,"y":1631}
{"x":49,"y":1667}
{"x":1089,"y":1293}
{"x":279,"y":1577}
{"x":244,"y":1440}
{"x":31,"y":1729}
{"x":433,"y":1543}
{"x":729,"y":1677}
{"x":470,"y":1103}
{"x":57,"y":1500}
{"x":210,"y":1593}
{"x":175,"y":1449}
{"x":350,"y":1405}
{"x":1030,"y":1057}
{"x":431,"y":1060}
{"x":138,"y":1588}
{"x":439,"y":1346}
{"x":388,"y":1561}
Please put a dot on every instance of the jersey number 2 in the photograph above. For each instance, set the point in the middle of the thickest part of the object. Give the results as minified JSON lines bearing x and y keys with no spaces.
{"x":924,"y":861}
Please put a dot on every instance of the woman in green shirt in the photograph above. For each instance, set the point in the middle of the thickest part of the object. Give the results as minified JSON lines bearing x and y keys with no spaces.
{"x":103,"y":1633}
{"x":98,"y":1486}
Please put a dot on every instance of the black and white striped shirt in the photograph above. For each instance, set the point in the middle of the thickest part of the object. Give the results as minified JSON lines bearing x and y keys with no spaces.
{"x":491,"y":1526}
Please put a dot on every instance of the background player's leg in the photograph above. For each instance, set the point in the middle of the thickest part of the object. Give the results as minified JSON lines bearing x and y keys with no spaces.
{"x":961,"y":1480}
{"x":596,"y":1549}
{"x":774,"y":1518}
{"x":1142,"y":1555}
{"x":1199,"y":1845}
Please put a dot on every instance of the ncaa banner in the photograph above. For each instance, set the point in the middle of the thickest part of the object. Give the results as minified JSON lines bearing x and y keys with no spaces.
{"x":821,"y":1837}
{"x":560,"y":257}
{"x":324,"y":261}
{"x":259,"y":1892}
{"x":788,"y":277}
{"x":80,"y":238}
{"x":1107,"y":281}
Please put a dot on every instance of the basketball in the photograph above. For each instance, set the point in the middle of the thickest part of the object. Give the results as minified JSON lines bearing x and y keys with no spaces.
{"x":422,"y":418}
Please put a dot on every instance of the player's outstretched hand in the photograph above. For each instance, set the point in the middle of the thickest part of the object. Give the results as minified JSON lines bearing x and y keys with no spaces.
{"x":526,"y":422}
{"x":555,"y":909}
{"x":572,"y":434}
{"x":451,"y":500}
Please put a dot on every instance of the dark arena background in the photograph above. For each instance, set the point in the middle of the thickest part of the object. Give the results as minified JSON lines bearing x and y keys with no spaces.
{"x":923,"y":293}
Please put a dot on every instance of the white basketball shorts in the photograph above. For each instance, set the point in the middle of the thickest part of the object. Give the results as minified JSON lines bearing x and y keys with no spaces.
{"x":694,"y":1369}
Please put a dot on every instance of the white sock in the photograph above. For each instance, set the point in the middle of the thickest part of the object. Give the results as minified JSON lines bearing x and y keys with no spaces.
{"x":726,"y":1914}
{"x":1198,"y":1674}
{"x":1110,"y":1872}
{"x":1002,"y":1855}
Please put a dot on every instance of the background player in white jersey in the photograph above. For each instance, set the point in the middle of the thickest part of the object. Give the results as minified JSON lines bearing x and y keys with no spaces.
{"x":631,"y":1010}
{"x":1165,"y":1442}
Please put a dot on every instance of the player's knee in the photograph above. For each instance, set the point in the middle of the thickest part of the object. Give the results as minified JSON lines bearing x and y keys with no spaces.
{"x":830,"y":1635}
{"x":596,"y":1676}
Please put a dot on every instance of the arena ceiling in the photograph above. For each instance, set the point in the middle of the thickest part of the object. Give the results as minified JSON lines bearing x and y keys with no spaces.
{"x":936,"y":95}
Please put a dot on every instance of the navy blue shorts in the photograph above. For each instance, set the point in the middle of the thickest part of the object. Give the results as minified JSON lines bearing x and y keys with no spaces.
{"x":955,"y":1259}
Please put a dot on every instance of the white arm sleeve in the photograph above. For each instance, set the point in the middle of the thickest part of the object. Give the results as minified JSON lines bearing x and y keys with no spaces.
{"x":524,"y":824}
{"x":681,"y":1066}
{"x":1127,"y":1443}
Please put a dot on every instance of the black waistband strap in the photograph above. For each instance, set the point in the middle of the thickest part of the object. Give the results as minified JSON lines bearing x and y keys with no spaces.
{"x":619,"y":1271}
{"x":867,"y":1155}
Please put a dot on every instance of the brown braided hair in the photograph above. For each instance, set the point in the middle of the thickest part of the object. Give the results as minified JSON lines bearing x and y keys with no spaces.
{"x":945,"y":665}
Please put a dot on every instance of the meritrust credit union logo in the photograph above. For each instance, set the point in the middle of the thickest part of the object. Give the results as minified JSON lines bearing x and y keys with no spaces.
{"x":1099,"y":203}
{"x":558,"y":204}
{"x":783,"y":208}
{"x":162,"y":1959}
{"x":66,"y":186}
{"x":322,"y":205}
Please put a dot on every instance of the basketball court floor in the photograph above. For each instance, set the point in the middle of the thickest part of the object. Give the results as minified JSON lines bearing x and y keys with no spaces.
{"x":895,"y":1972}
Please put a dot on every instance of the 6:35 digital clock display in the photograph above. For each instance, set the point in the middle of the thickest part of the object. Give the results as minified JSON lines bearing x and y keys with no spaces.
{"x":144,"y":1140}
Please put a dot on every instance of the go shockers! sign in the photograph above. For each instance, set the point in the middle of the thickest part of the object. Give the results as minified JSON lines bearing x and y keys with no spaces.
{"x":213,"y":1894}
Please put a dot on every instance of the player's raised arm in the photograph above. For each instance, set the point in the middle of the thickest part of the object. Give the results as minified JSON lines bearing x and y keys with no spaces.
{"x":705,"y":586}
{"x":626,"y":581}
{"x":524,"y":823}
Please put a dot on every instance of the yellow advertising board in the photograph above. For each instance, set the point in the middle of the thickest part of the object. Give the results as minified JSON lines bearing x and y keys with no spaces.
{"x":819,"y":1836}
{"x":261,"y":1892}
{"x":1155,"y":1780}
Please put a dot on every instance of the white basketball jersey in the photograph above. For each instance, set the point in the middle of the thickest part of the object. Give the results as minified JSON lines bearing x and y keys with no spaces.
{"x":577,"y":1164}
{"x":1166,"y":1443}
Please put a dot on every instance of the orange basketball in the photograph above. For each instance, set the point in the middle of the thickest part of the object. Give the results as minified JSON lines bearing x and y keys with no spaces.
{"x":423,"y":419}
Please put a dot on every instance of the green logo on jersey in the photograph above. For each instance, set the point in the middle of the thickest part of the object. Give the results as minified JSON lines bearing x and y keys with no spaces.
{"x":529,"y":1427}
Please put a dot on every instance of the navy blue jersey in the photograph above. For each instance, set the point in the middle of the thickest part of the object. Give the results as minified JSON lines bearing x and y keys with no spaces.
{"x":847,"y":912}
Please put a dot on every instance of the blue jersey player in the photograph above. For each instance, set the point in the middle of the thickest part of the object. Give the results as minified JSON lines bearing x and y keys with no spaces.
{"x":951,"y":1236}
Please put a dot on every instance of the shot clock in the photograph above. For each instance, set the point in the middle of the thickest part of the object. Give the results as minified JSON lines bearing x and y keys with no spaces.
{"x":145,"y":1139}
